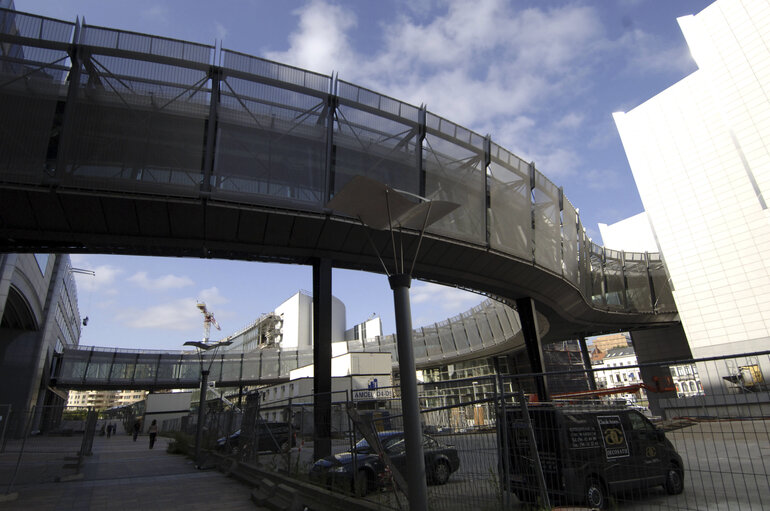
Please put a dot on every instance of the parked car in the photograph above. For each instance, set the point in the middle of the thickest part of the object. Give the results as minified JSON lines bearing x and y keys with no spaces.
{"x":587,"y":453}
{"x":364,"y":470}
{"x":268,"y":436}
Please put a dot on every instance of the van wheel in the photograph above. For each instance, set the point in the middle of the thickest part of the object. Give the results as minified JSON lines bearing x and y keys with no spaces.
{"x":440,"y":473}
{"x":595,"y":494}
{"x":674,"y":484}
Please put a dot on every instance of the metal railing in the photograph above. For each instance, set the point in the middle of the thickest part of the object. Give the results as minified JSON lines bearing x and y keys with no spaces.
{"x":130,"y":114}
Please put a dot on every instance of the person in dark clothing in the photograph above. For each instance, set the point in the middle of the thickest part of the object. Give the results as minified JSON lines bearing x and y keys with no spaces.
{"x":153,"y":432}
{"x":137,"y":427}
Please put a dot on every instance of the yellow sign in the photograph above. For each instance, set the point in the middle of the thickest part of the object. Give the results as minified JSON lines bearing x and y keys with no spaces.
{"x":613,"y":436}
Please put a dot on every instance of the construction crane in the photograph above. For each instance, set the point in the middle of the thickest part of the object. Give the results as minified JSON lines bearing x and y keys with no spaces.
{"x":208,"y":320}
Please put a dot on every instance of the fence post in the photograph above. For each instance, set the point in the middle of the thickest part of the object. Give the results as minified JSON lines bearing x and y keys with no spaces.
{"x":535,"y":453}
{"x":5,"y":418}
{"x":502,"y":441}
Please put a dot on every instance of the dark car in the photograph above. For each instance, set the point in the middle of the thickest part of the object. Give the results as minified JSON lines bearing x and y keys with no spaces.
{"x":363,"y":470}
{"x":267,"y":436}
{"x":587,"y":453}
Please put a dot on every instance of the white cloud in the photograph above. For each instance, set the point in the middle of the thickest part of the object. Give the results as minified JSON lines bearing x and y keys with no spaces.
{"x":220,"y":31}
{"x":178,"y":315}
{"x":570,"y":121}
{"x":103,"y":279}
{"x":647,"y":53}
{"x":443,"y":298}
{"x":156,"y":13}
{"x":320,"y":43}
{"x":159,"y":283}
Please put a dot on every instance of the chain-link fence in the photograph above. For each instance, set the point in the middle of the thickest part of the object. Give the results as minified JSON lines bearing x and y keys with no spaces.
{"x":685,"y":435}
{"x":489,"y":444}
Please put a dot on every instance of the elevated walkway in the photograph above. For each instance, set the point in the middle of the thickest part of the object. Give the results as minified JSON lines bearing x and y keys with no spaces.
{"x":135,"y":144}
{"x":484,"y":330}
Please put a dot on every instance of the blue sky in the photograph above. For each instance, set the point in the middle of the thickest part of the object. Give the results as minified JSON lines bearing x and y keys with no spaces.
{"x":543,"y":78}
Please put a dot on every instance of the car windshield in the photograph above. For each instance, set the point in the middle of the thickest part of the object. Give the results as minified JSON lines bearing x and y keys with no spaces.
{"x":388,"y":441}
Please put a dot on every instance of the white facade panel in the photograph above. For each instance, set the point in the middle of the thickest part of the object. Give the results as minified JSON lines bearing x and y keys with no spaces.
{"x":700,"y":155}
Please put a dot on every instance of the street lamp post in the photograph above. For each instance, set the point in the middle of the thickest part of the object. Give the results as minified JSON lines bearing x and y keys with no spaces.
{"x":202,"y":348}
{"x":378,"y":206}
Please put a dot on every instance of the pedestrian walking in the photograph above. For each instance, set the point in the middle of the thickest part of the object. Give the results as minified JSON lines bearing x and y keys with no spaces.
{"x":137,"y":427}
{"x":109,"y":430}
{"x":153,"y":432}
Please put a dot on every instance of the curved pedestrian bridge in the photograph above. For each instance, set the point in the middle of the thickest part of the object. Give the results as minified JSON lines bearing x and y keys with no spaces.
{"x":117,"y":142}
{"x":487,"y":329}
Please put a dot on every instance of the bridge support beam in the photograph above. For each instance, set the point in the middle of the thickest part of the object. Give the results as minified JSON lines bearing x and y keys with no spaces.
{"x":657,"y":345}
{"x":531,"y":331}
{"x":322,"y":357}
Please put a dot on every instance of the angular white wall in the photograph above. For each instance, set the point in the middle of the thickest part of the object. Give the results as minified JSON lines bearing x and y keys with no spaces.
{"x":700,"y":155}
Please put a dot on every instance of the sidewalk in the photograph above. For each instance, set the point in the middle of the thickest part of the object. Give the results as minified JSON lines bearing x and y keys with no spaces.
{"x":121,"y":475}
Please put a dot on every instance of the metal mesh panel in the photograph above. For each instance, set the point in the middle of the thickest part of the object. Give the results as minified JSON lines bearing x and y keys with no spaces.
{"x":453,"y":160}
{"x":570,"y":242}
{"x":146,"y":368}
{"x":73,"y":365}
{"x":664,"y":298}
{"x":231,"y":369}
{"x":585,"y":279}
{"x":186,"y":368}
{"x":123,"y":366}
{"x":637,"y":282}
{"x":471,"y":340}
{"x":356,"y":94}
{"x":418,"y":343}
{"x":152,"y":45}
{"x":137,"y":126}
{"x":35,"y":27}
{"x":275,"y":71}
{"x":432,"y":342}
{"x":252,"y":366}
{"x":31,"y":83}
{"x":613,"y":272}
{"x":484,"y":323}
{"x":597,"y":278}
{"x":271,"y":144}
{"x":547,"y":223}
{"x":445,"y":335}
{"x":375,"y":145}
{"x":510,"y":214}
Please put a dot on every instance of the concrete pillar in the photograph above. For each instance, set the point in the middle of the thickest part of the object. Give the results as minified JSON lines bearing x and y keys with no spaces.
{"x":660,"y":345}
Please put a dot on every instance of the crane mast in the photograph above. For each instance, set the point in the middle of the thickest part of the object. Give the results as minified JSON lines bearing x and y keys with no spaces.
{"x":208,"y":320}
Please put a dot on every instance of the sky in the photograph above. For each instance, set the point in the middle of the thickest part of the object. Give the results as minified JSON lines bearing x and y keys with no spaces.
{"x":541,"y":77}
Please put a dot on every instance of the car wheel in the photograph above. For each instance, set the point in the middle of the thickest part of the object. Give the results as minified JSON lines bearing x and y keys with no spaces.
{"x":361,"y":483}
{"x":595,"y":494}
{"x":674,"y":484}
{"x":440,"y":473}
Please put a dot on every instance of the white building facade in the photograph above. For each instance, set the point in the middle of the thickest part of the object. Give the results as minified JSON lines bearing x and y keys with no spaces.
{"x":700,"y":154}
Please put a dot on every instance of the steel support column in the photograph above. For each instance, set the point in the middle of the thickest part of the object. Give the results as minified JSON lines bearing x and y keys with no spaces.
{"x":322,"y":357}
{"x":531,"y":331}
{"x":587,"y":363}
{"x":417,"y":489}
